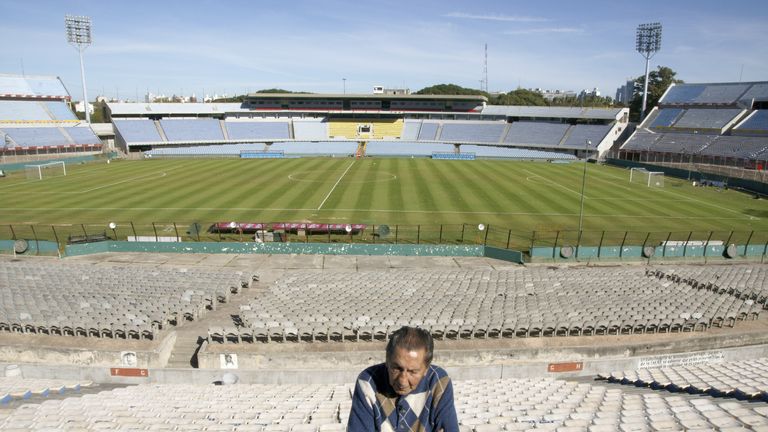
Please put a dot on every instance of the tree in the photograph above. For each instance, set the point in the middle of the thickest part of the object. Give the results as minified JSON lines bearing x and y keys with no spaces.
{"x":659,"y":81}
{"x":521,"y":97}
{"x":450,"y":89}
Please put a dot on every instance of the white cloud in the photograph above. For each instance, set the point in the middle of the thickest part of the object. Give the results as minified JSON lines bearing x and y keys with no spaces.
{"x":504,"y":18}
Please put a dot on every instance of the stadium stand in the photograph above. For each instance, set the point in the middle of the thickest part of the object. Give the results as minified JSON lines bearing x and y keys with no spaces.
{"x":746,"y":379}
{"x":536,"y":133}
{"x":482,"y":132}
{"x":310,"y":129}
{"x":411,"y":130}
{"x":30,"y":86}
{"x":326,"y":148}
{"x":706,"y":121}
{"x":481,"y":406}
{"x":22,"y":111}
{"x":707,"y":118}
{"x":205,"y":129}
{"x":428,"y":131}
{"x":514,"y":304}
{"x":17,"y":388}
{"x":116,"y":302}
{"x":137,"y":131}
{"x":365,"y":128}
{"x":756,"y":122}
{"x":246,"y":130}
{"x":514,"y":153}
{"x":580,"y":134}
{"x":221,"y":150}
{"x":36,"y":136}
{"x":405,"y":148}
{"x":82,"y":135}
{"x":60,"y":111}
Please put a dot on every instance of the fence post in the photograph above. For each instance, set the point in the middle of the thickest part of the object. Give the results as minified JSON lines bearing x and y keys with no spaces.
{"x":746,"y":246}
{"x":557,"y":236}
{"x":440,"y":239}
{"x":85,"y":233}
{"x":56,"y":236}
{"x":509,"y":236}
{"x":533,"y":241}
{"x":706,"y":245}
{"x":727,"y":242}
{"x":462,"y":233}
{"x":397,"y":229}
{"x":418,"y":234}
{"x":133,"y":228}
{"x":685,"y":247}
{"x":373,"y":235}
{"x":600,"y":245}
{"x":664,"y":249}
{"x":624,"y":240}
{"x":154,"y":228}
{"x":485,"y":240}
{"x":174,"y":228}
{"x":765,"y":250}
{"x":13,"y":233}
{"x":37,"y":242}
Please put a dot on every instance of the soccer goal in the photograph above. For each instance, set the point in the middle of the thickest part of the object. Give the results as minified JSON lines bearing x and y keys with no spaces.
{"x":648,"y":178}
{"x":46,"y":170}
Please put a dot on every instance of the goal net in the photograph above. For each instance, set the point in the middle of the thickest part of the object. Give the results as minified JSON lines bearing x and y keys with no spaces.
{"x":648,"y":178}
{"x":46,"y":170}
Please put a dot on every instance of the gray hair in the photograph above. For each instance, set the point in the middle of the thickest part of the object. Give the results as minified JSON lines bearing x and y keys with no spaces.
{"x":411,"y":338}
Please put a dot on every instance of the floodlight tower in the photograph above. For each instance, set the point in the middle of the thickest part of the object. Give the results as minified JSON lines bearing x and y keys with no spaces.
{"x":79,"y":36}
{"x":647,"y":43}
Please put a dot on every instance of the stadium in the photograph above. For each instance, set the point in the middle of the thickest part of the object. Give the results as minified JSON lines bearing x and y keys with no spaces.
{"x":234,"y":266}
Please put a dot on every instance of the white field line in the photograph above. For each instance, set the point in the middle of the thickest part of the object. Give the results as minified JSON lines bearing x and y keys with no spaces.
{"x":688,"y":198}
{"x":554,"y":183}
{"x":334,"y":186}
{"x":437,"y":212}
{"x":161,"y":174}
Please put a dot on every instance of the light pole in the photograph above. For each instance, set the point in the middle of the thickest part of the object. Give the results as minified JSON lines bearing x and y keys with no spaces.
{"x":587,"y":143}
{"x":79,"y":36}
{"x":647,"y":43}
{"x":344,"y":81}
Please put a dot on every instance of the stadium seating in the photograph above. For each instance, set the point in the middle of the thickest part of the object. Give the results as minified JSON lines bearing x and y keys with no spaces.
{"x":756,"y":122}
{"x":411,"y":130}
{"x":396,"y":148}
{"x":682,"y":143}
{"x":60,"y":111}
{"x":757,"y":91}
{"x":116,"y":302}
{"x":310,"y":129}
{"x":482,"y":132}
{"x":242,"y":130}
{"x":82,"y":135}
{"x":36,"y":136}
{"x":741,"y":147}
{"x":514,"y":153}
{"x":746,"y":379}
{"x":579,"y":134}
{"x":17,"y":388}
{"x":23,"y":111}
{"x":664,"y":117}
{"x":379,"y":128}
{"x":137,"y":131}
{"x":204,"y":129}
{"x":32,"y":86}
{"x":706,"y":118}
{"x":481,"y":406}
{"x":221,"y":150}
{"x":428,"y":131}
{"x":536,"y":133}
{"x":466,"y":304}
{"x":694,"y":94}
{"x":323,"y":148}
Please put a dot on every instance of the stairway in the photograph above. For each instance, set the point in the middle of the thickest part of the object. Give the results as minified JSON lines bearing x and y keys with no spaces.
{"x":191,"y":334}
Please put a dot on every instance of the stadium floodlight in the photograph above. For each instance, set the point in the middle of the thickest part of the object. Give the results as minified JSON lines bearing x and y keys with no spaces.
{"x":647,"y":43}
{"x":79,"y":36}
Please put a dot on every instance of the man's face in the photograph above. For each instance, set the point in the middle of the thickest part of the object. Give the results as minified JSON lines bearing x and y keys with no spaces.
{"x":406,"y":369}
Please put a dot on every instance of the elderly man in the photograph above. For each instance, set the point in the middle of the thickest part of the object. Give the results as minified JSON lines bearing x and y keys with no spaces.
{"x":407,"y":392}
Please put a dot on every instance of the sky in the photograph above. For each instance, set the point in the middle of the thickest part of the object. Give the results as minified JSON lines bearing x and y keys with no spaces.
{"x":331,"y":46}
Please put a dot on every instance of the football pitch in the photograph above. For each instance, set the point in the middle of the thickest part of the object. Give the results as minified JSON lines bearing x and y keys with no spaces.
{"x":511,"y":195}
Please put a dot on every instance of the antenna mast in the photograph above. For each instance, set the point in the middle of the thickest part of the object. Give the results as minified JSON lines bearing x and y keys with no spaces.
{"x":485,"y":69}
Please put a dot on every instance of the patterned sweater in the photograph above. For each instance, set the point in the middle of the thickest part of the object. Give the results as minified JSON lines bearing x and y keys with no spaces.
{"x":428,"y":408}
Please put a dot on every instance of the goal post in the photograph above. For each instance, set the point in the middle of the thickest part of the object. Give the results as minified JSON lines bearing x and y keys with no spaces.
{"x":648,"y":178}
{"x":45,"y":170}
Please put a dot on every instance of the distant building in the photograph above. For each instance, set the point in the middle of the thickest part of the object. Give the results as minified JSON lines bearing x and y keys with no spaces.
{"x":589,"y":93}
{"x":79,"y":107}
{"x":624,"y":93}
{"x":551,"y":95}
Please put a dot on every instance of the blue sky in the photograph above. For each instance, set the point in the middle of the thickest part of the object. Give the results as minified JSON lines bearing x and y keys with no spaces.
{"x":238,"y":46}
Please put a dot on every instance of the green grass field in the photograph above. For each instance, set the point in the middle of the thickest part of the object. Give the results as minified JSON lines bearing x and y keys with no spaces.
{"x":512,"y":197}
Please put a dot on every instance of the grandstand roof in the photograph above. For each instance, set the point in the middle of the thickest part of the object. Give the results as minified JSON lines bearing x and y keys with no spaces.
{"x":32,"y":86}
{"x":553,"y":112}
{"x":122,"y":109}
{"x":313,"y":96}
